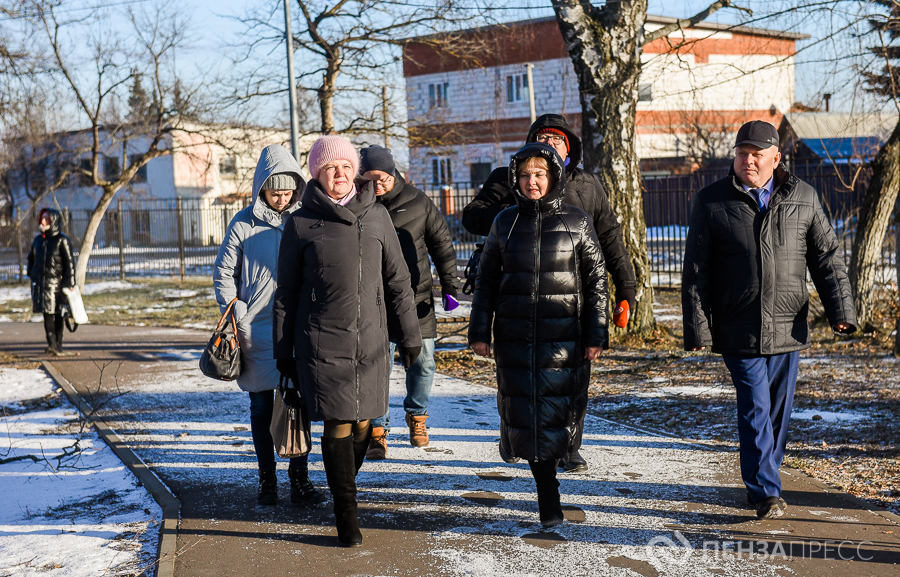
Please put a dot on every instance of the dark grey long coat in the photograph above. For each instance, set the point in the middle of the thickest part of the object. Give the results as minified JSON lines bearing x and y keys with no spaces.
{"x":339,"y":268}
{"x":743,"y":289}
{"x":51,"y":266}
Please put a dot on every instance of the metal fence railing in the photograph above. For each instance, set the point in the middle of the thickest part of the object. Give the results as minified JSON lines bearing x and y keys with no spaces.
{"x":181,"y":237}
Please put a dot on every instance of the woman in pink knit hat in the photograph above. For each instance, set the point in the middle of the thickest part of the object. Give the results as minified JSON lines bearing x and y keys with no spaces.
{"x":340,"y":267}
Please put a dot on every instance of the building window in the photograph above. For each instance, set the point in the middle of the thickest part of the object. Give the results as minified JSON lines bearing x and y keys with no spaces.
{"x":479,"y":172}
{"x":112,"y":169}
{"x":141,"y":175}
{"x":228,"y":166}
{"x":645,"y":92}
{"x":140,"y":226}
{"x":441,"y":171}
{"x":438,"y":95}
{"x":85,"y":179}
{"x":517,"y":88}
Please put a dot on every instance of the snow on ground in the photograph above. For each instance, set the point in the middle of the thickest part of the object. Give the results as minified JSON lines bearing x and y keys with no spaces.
{"x":16,"y":293}
{"x":20,"y":293}
{"x":80,"y":514}
{"x":195,"y":430}
{"x":827,"y":416}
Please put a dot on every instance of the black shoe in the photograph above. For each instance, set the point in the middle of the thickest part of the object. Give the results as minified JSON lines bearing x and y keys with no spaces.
{"x":507,"y":457}
{"x":268,"y":488}
{"x":575,"y":464}
{"x":303,"y":493}
{"x":549,"y":506}
{"x":770,"y":508}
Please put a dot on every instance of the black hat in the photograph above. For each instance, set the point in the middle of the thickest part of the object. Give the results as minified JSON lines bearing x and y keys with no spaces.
{"x":376,"y":158}
{"x":758,"y":133}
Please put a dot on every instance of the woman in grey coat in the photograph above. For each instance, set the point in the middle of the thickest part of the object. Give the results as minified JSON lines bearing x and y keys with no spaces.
{"x":340,"y":266}
{"x":246,"y":268}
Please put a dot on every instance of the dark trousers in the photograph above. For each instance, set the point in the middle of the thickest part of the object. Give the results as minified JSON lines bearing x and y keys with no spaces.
{"x":261,"y":406}
{"x":765,"y":396}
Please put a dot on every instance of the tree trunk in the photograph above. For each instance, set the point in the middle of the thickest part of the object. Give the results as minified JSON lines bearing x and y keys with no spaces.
{"x":90,"y":234}
{"x":874,"y":214}
{"x":605,"y":47}
{"x":326,"y":93}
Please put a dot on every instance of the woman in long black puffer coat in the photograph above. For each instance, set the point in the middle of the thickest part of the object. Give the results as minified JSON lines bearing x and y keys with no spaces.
{"x":542,"y":283}
{"x":51,"y":268}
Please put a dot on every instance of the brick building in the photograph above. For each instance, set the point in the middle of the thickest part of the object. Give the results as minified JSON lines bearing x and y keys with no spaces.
{"x":469,"y":107}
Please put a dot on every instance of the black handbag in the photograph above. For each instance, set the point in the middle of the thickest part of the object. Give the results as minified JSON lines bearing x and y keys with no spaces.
{"x":221,"y":359}
{"x":290,"y":427}
{"x":471,"y":270}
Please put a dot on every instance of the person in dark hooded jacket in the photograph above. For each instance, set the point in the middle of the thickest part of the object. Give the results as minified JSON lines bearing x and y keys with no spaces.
{"x":583,"y":191}
{"x":339,"y":268}
{"x":51,"y":269}
{"x":422,"y":232}
{"x":542,"y":286}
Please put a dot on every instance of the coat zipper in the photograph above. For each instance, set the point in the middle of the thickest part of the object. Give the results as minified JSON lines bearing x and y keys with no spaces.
{"x":536,"y":287}
{"x":359,"y":228}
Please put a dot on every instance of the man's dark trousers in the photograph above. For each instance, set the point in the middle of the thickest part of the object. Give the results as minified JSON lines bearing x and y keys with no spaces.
{"x":765,"y":396}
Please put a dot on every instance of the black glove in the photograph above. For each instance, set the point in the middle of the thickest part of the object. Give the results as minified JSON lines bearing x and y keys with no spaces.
{"x":448,"y":290}
{"x":409,"y":355}
{"x":626,"y":294}
{"x":288,"y":370}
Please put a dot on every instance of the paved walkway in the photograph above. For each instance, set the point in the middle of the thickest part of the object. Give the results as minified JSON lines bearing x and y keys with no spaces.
{"x":452,"y":508}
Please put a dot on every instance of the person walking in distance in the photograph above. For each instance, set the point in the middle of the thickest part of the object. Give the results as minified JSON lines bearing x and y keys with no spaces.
{"x":245,"y":269}
{"x":51,"y":268}
{"x":583,"y":191}
{"x":340,"y":269}
{"x":753,"y":235}
{"x":541,"y":293}
{"x":422,"y":231}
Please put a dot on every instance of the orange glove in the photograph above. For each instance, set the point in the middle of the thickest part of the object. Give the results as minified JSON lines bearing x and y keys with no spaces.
{"x":621,"y":314}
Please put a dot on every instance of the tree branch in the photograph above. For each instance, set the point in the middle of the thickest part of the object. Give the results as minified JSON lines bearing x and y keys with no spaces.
{"x":693,"y":20}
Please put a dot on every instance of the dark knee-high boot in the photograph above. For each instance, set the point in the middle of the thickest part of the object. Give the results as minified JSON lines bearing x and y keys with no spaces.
{"x":340,"y":469}
{"x":50,"y":333}
{"x":544,"y":473}
{"x":360,"y":446}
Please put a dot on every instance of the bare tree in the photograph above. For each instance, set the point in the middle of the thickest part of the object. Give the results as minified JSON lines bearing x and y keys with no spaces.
{"x":880,"y":198}
{"x":605,"y":45}
{"x":350,"y":51}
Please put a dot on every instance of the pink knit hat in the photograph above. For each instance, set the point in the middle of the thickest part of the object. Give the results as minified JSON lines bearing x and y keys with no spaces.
{"x":330,"y":148}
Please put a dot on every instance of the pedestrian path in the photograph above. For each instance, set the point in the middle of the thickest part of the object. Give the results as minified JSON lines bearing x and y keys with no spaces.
{"x":649,"y":505}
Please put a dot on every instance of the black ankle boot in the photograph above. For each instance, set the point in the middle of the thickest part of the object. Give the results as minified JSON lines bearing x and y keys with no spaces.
{"x":303,"y":492}
{"x":340,"y":468}
{"x":268,"y":488}
{"x":361,"y":447}
{"x":544,"y":473}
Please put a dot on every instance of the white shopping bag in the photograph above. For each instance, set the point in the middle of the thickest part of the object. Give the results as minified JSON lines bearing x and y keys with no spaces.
{"x":76,"y":305}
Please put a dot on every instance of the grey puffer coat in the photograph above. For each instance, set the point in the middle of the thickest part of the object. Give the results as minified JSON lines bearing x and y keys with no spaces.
{"x":339,"y":269}
{"x":246,"y":268}
{"x":51,"y":266}
{"x":422,"y":231}
{"x":744,"y":282}
{"x":542,"y":284}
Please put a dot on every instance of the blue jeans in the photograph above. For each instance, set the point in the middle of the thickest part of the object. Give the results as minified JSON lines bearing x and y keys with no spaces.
{"x":419,"y":378}
{"x":261,"y":406}
{"x":765,"y":396}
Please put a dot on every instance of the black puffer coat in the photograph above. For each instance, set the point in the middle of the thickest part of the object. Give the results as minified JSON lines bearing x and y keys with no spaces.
{"x":542,"y":284}
{"x":744,"y":283}
{"x":583,"y":191}
{"x":51,"y":266}
{"x":339,"y":268}
{"x":422,"y":231}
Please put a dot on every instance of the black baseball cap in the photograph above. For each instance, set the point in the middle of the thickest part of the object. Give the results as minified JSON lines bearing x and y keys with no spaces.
{"x":758,"y":133}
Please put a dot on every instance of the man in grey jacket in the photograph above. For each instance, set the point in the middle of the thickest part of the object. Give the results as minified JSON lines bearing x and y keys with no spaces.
{"x":752,"y":237}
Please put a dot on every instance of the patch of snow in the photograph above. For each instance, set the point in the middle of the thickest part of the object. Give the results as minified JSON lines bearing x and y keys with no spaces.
{"x":23,"y":385}
{"x":16,"y":293}
{"x":827,"y":416}
{"x":686,"y":391}
{"x":108,"y":286}
{"x":179,"y":293}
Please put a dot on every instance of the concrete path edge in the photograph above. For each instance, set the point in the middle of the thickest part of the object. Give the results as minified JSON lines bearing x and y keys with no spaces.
{"x":168,"y":528}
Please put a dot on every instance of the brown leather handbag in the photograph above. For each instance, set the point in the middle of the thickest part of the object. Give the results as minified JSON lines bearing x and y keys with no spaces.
{"x":290,"y":426}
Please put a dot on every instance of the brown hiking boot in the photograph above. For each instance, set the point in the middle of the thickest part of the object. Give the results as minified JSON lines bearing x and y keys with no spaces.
{"x":418,"y":435}
{"x":377,"y":445}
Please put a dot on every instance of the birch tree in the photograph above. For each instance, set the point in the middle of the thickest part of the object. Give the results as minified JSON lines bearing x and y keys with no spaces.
{"x":605,"y":45}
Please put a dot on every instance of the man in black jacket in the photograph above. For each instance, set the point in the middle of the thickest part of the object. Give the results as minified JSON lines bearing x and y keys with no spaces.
{"x":422,"y":231}
{"x":752,"y":237}
{"x":583,"y":191}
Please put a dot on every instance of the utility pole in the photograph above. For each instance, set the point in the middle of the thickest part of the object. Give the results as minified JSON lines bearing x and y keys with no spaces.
{"x":384,"y":113}
{"x":292,"y":83}
{"x":528,"y":68}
